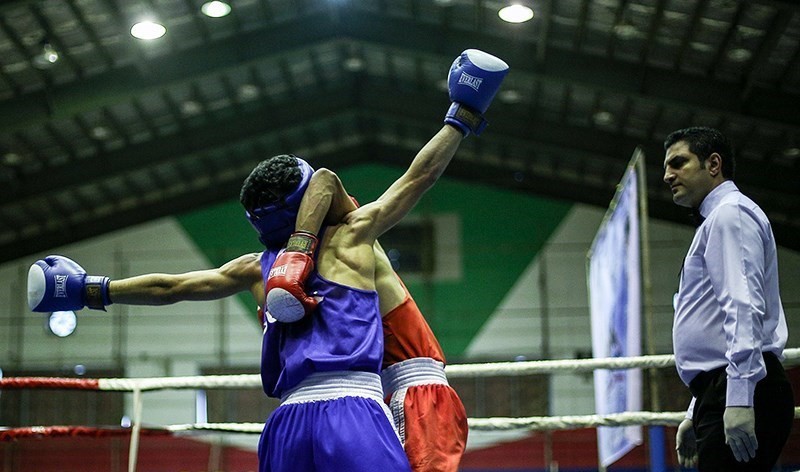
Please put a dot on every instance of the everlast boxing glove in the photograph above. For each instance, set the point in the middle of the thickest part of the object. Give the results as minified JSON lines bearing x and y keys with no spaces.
{"x":473,"y":81}
{"x":287,"y":300}
{"x":58,"y":283}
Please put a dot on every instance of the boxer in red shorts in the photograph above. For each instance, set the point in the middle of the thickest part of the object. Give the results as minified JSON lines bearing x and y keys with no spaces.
{"x":428,"y":414}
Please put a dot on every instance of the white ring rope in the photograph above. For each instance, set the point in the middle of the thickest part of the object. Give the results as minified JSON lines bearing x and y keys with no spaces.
{"x":495,"y":369}
{"x":191,"y":382}
{"x":537,"y":423}
{"x":553,"y":423}
{"x":531,"y":423}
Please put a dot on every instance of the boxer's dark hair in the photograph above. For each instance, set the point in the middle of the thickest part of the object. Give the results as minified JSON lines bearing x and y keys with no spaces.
{"x":270,"y":180}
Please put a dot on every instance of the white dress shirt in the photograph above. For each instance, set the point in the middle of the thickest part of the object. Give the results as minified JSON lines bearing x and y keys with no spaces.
{"x":728,"y":308}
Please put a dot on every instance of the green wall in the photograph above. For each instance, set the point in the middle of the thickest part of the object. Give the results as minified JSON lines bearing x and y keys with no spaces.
{"x":223,"y":233}
{"x":502,"y":231}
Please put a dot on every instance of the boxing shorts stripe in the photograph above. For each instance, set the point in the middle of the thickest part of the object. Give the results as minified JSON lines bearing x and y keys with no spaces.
{"x":411,"y":372}
{"x":398,"y":377}
{"x":321,"y":386}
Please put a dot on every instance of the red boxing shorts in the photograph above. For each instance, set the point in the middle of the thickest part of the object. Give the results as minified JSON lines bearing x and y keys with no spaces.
{"x":428,"y":414}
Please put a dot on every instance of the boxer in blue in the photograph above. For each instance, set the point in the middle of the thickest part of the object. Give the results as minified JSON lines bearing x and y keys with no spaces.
{"x":324,"y":368}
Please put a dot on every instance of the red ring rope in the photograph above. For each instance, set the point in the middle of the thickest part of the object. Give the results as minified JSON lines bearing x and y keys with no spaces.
{"x":41,"y":432}
{"x":48,"y":382}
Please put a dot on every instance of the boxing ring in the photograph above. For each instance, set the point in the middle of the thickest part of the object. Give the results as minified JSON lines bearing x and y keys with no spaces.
{"x":139,"y":386}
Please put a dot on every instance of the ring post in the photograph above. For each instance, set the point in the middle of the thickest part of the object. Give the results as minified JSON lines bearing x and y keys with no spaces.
{"x":137,"y":428}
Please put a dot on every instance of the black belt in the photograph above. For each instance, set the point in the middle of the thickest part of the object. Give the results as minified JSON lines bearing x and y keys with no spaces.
{"x":701,"y":382}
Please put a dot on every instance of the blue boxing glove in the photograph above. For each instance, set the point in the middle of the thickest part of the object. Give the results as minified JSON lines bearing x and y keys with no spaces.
{"x":58,"y":283}
{"x":473,"y":81}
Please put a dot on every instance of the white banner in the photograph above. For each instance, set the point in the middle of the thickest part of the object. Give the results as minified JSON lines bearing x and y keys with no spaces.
{"x":615,"y":303}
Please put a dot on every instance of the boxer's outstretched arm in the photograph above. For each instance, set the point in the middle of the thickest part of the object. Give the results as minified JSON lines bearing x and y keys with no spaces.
{"x":59,"y":283}
{"x":238,"y":275}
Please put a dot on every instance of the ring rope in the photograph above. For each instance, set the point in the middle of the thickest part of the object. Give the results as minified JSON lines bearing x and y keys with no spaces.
{"x":497,"y":369}
{"x":39,"y":432}
{"x":531,"y":423}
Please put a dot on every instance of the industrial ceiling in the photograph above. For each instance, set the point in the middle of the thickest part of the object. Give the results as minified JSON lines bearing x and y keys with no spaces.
{"x":119,"y":130}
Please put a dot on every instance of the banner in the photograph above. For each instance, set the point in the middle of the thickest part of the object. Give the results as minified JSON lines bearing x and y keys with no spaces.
{"x":614,"y":278}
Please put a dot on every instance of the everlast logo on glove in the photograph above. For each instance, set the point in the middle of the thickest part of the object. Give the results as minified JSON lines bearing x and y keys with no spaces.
{"x":275,"y":271}
{"x":61,"y":286}
{"x":93,"y":292}
{"x":472,"y":119}
{"x":468,"y":80}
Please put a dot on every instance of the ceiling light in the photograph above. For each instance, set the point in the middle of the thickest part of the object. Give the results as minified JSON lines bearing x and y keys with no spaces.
{"x":724,"y":4}
{"x":626,"y":31}
{"x":46,"y":58}
{"x":739,"y":54}
{"x":515,"y":14}
{"x":248,"y":92}
{"x":12,"y":159}
{"x":603,"y":118}
{"x":354,"y":64}
{"x":148,"y":30}
{"x":191,"y":108}
{"x":62,"y":323}
{"x":101,"y":133}
{"x":701,"y":47}
{"x":215,"y":9}
{"x":510,"y":96}
{"x":791,"y":153}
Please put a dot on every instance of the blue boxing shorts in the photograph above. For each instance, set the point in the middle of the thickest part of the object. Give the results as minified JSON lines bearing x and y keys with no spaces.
{"x":332,"y":422}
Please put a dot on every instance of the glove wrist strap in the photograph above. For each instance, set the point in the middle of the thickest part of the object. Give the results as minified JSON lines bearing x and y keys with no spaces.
{"x":95,"y":292}
{"x":302,"y":241}
{"x":465,"y":116}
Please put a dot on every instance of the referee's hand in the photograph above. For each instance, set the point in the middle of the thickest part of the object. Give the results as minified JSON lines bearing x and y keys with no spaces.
{"x":740,"y":432}
{"x":686,"y":444}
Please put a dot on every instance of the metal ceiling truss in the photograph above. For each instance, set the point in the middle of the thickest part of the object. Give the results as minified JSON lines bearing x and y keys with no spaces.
{"x":123,"y":131}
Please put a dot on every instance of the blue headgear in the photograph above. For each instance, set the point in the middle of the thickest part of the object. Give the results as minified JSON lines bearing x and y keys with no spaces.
{"x":275,"y":222}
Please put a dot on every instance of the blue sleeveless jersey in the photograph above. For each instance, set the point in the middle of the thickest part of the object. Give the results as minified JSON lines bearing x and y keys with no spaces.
{"x":344,"y":333}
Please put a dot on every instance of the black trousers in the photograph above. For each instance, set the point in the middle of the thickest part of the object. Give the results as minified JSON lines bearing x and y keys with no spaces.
{"x":774,"y":410}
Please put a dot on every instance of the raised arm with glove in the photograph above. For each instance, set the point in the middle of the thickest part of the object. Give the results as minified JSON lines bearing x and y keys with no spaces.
{"x":473,"y":81}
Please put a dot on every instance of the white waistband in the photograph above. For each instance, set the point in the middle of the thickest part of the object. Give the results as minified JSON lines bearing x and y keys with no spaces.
{"x":411,"y":372}
{"x":331,"y":385}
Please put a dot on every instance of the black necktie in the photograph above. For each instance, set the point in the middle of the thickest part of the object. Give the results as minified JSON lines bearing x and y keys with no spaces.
{"x":696,"y":218}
